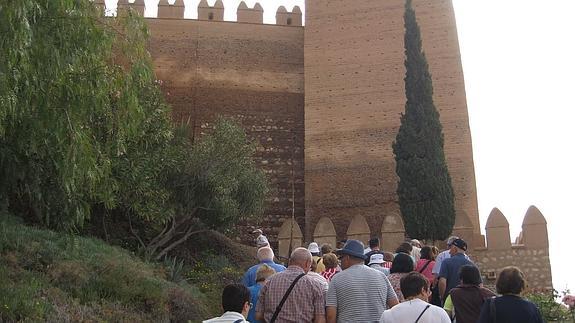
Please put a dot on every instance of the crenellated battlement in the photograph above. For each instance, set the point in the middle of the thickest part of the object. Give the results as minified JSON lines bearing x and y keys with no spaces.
{"x":171,"y":11}
{"x":287,"y":18}
{"x":253,"y":15}
{"x":214,"y":13}
{"x":245,"y":14}
{"x":529,"y":251}
{"x":533,"y":231}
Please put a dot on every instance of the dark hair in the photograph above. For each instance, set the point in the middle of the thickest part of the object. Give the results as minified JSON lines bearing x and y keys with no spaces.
{"x":427,"y":253}
{"x":326,"y":248}
{"x":405,"y":247}
{"x":374,"y":242}
{"x":469,"y":274}
{"x":330,"y":260}
{"x":402,"y":263}
{"x":412,"y":284}
{"x":435,"y":251}
{"x":388,"y":256}
{"x":234,"y":297}
{"x":510,"y":281}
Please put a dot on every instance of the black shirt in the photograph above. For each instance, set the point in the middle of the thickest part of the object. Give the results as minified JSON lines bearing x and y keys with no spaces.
{"x":510,"y":309}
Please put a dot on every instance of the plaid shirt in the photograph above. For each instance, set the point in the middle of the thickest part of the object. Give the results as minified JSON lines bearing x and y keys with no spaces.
{"x":304,"y":302}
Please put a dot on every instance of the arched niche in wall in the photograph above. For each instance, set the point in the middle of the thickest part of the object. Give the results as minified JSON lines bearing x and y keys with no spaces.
{"x":358,"y":229}
{"x":392,"y":232}
{"x":289,"y":230}
{"x":324,"y":232}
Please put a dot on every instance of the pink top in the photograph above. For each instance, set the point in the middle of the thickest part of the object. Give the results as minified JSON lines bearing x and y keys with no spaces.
{"x":427,"y":271}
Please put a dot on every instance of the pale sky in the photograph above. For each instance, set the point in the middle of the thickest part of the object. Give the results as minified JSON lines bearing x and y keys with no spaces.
{"x":518,"y":64}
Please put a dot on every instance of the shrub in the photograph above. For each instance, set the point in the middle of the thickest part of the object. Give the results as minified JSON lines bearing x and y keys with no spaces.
{"x":551,"y":310}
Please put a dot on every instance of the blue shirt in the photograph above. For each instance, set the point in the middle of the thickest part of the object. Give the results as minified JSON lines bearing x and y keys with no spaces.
{"x":450,"y":270}
{"x":250,"y":275}
{"x":255,"y":293}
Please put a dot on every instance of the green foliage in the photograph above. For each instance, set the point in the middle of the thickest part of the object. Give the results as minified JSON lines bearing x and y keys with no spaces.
{"x":52,"y":276}
{"x":424,"y":189}
{"x":211,"y":274}
{"x":174,"y":269}
{"x":220,"y":180}
{"x":84,"y":131}
{"x":77,"y":107}
{"x":551,"y":310}
{"x":217,"y":185}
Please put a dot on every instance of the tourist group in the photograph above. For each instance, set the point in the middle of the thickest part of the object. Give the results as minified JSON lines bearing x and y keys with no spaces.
{"x":414,"y":284}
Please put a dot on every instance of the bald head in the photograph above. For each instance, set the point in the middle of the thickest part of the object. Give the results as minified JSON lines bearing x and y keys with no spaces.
{"x":265,"y":254}
{"x":301,"y":257}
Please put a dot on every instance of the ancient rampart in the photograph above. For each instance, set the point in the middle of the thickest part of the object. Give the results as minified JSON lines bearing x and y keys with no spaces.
{"x":348,"y":73}
{"x":335,"y":90}
{"x":530,"y":251}
{"x":246,"y":70}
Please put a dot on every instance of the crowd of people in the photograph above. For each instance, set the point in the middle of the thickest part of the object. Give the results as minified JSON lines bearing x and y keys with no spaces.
{"x":415,"y":283}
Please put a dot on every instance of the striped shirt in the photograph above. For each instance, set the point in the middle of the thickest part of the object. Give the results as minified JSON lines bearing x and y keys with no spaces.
{"x":360,"y":294}
{"x":304,"y":302}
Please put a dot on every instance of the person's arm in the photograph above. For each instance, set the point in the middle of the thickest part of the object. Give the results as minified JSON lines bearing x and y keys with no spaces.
{"x":331,"y":314}
{"x":260,"y":316}
{"x":391,"y":298}
{"x":319,"y":319}
{"x":442,"y":287}
{"x":392,"y":302}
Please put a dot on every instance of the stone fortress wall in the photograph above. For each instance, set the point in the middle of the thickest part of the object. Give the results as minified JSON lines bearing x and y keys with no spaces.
{"x":334,"y":89}
{"x":245,"y":70}
{"x":530,"y":251}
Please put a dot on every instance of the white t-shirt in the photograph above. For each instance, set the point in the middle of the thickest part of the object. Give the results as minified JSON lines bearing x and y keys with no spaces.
{"x":408,"y":312}
{"x":228,"y":317}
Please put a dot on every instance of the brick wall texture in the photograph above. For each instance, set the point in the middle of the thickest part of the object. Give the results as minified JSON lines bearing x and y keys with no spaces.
{"x":354,"y":97}
{"x":252,"y":73}
{"x":333,"y":89}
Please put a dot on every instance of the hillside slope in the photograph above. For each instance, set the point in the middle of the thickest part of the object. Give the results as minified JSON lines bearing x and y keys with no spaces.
{"x":48,"y":276}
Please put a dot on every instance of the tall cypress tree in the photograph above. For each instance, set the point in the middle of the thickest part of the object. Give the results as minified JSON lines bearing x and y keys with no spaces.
{"x":424,"y":189}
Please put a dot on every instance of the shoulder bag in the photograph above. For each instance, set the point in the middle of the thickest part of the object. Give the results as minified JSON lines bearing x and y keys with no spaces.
{"x":281,"y":304}
{"x":421,"y":314}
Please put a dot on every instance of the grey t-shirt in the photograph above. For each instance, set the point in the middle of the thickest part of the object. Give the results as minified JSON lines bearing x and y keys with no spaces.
{"x":360,"y":294}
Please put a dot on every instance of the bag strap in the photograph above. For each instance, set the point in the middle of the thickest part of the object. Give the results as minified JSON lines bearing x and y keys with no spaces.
{"x":239,"y":321}
{"x":421,"y":314}
{"x":281,"y":304}
{"x":492,"y":310}
{"x":426,"y":264}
